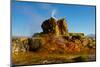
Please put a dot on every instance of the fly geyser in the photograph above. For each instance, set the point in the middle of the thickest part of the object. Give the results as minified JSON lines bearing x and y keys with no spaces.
{"x":54,"y":44}
{"x":55,"y":27}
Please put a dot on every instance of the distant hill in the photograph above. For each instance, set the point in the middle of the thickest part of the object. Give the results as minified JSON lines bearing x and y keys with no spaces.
{"x":91,"y":36}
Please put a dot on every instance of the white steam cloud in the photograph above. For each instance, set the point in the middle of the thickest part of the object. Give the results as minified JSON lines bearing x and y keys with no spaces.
{"x":53,"y":13}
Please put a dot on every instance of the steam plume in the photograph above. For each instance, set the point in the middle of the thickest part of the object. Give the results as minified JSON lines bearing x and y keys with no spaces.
{"x":53,"y":13}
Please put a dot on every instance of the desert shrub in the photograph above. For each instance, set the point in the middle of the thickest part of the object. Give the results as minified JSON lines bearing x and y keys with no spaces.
{"x":79,"y":34}
{"x":76,"y":37}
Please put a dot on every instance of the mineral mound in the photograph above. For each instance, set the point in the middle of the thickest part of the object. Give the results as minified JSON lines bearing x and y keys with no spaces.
{"x":54,"y":38}
{"x":55,"y":27}
{"x":53,"y":45}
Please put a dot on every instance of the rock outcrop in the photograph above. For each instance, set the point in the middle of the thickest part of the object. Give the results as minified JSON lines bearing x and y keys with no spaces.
{"x":62,"y":26}
{"x":55,"y":27}
{"x":49,"y":26}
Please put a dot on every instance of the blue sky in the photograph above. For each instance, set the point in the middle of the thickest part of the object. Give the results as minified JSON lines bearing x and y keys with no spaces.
{"x":27,"y":17}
